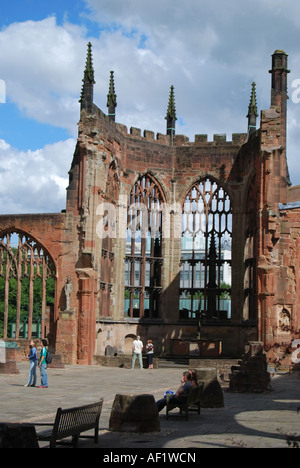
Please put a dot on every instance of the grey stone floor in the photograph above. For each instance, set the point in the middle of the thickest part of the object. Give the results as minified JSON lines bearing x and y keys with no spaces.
{"x":247,"y":420}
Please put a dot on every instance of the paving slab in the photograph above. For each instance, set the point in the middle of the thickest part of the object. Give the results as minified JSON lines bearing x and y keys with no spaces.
{"x":247,"y":420}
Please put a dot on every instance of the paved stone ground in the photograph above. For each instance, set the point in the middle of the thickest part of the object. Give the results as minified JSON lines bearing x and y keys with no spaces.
{"x":247,"y":420}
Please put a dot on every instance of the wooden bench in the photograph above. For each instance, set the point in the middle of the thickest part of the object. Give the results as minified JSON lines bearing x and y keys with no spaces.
{"x":71,"y":422}
{"x":190,"y":401}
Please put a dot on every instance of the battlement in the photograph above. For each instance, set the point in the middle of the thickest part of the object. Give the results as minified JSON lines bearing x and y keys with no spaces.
{"x":182,"y":140}
{"x":237,"y":139}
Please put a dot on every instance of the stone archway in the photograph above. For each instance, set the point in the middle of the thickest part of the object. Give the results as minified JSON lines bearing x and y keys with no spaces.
{"x":27,"y":287}
{"x":144,"y":249}
{"x":206,"y":252}
{"x":128,"y":344}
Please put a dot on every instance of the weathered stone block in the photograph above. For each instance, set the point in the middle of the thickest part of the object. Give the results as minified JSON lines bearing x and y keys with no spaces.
{"x":18,"y":436}
{"x":134,"y":413}
{"x":212,"y":395}
{"x":9,"y":367}
{"x":252,"y":375}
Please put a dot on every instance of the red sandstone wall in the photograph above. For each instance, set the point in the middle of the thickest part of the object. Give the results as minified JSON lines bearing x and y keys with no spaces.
{"x":75,"y":248}
{"x":175,"y":169}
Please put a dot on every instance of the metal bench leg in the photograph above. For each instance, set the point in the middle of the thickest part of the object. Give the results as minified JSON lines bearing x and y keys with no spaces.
{"x":96,"y":436}
{"x":53,"y":444}
{"x":75,"y":441}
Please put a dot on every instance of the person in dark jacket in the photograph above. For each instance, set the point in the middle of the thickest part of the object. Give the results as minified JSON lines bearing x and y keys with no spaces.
{"x":182,"y":390}
{"x":33,"y":359}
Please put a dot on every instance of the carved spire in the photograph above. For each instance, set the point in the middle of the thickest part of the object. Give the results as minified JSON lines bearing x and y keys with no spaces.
{"x":171,"y":114}
{"x":87,"y":92}
{"x":111,"y":98}
{"x":252,"y":111}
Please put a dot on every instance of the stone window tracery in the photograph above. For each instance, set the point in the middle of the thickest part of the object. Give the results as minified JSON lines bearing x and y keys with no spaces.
{"x":27,"y":287}
{"x":205,"y":277}
{"x":143,"y":262}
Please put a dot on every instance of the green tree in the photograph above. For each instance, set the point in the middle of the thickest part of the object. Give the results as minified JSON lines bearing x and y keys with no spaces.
{"x":37,"y":299}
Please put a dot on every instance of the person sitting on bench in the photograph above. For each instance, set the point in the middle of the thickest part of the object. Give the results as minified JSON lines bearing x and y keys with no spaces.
{"x":177,"y":397}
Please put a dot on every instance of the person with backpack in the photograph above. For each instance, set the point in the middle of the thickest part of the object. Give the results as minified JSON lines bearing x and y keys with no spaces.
{"x":43,"y":365}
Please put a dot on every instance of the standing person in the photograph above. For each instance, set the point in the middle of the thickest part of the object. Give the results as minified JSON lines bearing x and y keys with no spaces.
{"x":150,"y":352}
{"x":43,"y":365}
{"x":137,"y":349}
{"x":32,"y":356}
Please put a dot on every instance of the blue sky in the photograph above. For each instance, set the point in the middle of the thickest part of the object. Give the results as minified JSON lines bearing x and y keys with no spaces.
{"x":210,"y":51}
{"x":27,"y":133}
{"x":36,"y":10}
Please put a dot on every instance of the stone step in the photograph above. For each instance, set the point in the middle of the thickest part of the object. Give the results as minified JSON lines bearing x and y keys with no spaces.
{"x":222,"y":365}
{"x":164,"y":362}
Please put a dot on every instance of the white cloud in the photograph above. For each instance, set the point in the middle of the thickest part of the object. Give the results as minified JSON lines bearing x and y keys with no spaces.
{"x":34,"y":181}
{"x":4,"y":146}
{"x":210,"y":51}
{"x":42,"y":65}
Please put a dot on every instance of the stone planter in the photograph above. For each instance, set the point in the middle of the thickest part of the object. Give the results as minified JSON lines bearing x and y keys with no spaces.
{"x":134,"y":413}
{"x":212,"y":395}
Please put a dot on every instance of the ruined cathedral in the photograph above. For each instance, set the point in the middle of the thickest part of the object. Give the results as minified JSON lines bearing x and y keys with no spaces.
{"x":195,"y":245}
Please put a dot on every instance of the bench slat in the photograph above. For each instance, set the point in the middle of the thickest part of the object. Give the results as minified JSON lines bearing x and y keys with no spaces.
{"x":71,"y":422}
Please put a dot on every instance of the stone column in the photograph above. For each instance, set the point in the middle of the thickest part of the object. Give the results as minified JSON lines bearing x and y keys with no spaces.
{"x":87,"y":291}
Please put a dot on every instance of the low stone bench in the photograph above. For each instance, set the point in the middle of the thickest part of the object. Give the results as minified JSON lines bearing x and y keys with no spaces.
{"x":212,"y":394}
{"x":122,"y":361}
{"x":17,"y":435}
{"x":10,"y":354}
{"x":134,"y":413}
{"x":9,"y":367}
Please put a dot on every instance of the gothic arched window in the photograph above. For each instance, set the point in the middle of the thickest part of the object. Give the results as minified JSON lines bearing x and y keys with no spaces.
{"x":143,"y":261}
{"x":205,"y":277}
{"x":27,"y":287}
